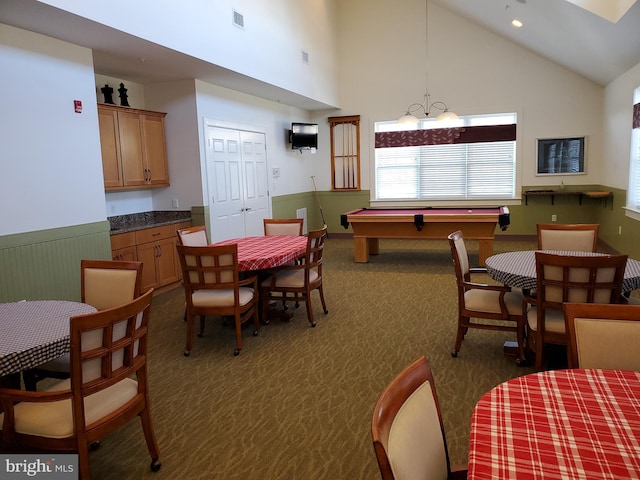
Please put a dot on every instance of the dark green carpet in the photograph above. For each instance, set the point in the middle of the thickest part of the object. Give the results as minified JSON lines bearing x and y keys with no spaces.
{"x":297,"y":402}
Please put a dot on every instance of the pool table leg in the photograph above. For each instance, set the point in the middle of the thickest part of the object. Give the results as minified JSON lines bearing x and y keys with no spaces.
{"x":362,"y":247}
{"x":485,"y":250}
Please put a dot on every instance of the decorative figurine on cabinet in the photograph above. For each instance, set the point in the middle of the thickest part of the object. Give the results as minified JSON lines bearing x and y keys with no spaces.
{"x":107,"y":91}
{"x":123,"y":96}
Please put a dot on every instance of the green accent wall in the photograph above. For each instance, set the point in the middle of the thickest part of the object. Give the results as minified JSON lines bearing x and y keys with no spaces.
{"x":608,"y":214}
{"x":333,"y":205}
{"x":45,"y":265}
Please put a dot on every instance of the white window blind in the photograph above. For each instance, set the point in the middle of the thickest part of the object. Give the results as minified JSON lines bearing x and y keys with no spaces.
{"x":458,"y":171}
{"x":633,"y":198}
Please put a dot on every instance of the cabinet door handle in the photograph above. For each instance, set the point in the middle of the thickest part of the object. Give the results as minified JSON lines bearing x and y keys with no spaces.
{"x":160,"y":250}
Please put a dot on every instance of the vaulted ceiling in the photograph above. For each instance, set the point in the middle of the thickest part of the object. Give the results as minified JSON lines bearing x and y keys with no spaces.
{"x":564,"y":32}
{"x":559,"y":30}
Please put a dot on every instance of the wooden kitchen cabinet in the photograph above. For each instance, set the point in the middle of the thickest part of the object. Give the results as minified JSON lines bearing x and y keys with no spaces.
{"x":156,"y":248}
{"x":123,"y":247}
{"x":133,"y":148}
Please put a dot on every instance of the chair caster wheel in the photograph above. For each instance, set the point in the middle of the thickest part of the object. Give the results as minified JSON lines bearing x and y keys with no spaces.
{"x":201,"y":335}
{"x":94,"y":446}
{"x":236,"y":352}
{"x":187,"y":352}
{"x":521,"y":362}
{"x":155,"y":465}
{"x":326,"y":312}
{"x":454,"y":354}
{"x":313,"y":325}
{"x":255,"y":333}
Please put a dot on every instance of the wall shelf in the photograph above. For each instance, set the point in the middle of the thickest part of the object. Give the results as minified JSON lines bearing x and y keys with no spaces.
{"x":553,"y":193}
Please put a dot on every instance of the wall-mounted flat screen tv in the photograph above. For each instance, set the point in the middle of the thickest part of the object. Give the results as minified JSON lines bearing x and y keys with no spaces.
{"x":303,"y":136}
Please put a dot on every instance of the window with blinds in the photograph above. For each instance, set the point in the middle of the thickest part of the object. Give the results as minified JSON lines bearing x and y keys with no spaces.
{"x":475,"y":159}
{"x":633,"y":198}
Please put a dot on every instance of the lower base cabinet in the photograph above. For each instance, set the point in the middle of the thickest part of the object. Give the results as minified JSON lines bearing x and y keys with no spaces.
{"x":155,"y":247}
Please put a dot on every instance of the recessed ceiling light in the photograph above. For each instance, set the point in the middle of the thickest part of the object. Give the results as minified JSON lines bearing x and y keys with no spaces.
{"x":516,"y":23}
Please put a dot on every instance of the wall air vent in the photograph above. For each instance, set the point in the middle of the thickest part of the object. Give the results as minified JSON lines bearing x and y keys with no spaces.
{"x":238,"y":19}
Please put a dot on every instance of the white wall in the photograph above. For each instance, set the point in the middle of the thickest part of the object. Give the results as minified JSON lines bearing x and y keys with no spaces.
{"x":618,"y":101}
{"x":382,"y":70}
{"x":51,"y":168}
{"x":268,"y":48}
{"x":231,"y":109}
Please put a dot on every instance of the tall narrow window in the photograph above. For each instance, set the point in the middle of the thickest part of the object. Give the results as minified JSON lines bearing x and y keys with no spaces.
{"x":345,"y":152}
{"x":633,"y":197}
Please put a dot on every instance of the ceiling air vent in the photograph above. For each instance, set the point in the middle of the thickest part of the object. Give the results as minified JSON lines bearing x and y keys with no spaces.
{"x":305,"y":57}
{"x":238,"y":19}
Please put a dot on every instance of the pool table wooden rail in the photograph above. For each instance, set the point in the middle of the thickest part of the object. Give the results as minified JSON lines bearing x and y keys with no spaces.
{"x":432,"y":224}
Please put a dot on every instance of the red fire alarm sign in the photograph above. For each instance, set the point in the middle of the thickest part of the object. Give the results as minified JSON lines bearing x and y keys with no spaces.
{"x":77,"y":104}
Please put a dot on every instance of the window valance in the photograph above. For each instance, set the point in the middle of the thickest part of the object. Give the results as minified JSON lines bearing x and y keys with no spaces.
{"x":442,"y":136}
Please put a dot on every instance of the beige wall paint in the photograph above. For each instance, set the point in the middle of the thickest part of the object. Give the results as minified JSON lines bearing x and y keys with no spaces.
{"x":382,"y":70}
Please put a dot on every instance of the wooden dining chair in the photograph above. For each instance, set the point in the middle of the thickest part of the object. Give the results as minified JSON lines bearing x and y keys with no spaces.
{"x":298,"y":280}
{"x":103,"y":284}
{"x":564,"y":279}
{"x":108,"y":388}
{"x":581,"y":237}
{"x":494,"y":307}
{"x":407,"y":431}
{"x":193,"y":236}
{"x":603,"y":336}
{"x":212,"y":286}
{"x":283,"y":226}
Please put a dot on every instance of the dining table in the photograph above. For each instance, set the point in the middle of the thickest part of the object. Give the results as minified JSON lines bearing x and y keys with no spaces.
{"x":518,"y":269}
{"x":558,"y":424}
{"x":261,"y":253}
{"x":268,"y":251}
{"x":34,"y":332}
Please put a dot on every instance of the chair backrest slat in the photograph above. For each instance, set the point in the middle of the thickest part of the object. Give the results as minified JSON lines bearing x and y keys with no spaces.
{"x":193,"y":236}
{"x":283,"y":226}
{"x":568,"y":237}
{"x":108,"y":346}
{"x":578,"y":279}
{"x":406,"y":428}
{"x":603,"y":336}
{"x":109,"y":283}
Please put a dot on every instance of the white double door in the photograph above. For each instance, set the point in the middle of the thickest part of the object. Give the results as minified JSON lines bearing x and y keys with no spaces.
{"x":237,"y":182}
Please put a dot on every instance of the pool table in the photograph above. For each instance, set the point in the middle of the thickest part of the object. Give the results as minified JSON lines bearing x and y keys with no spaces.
{"x":371,"y":224}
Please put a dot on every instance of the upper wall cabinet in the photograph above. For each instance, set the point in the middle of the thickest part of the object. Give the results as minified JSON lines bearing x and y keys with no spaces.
{"x":134,"y":153}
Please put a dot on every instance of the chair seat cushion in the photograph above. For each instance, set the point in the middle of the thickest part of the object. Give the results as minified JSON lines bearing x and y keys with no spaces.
{"x":55,"y":419}
{"x":553,"y":322}
{"x":291,"y":278}
{"x":488,"y":301}
{"x":220,"y":298}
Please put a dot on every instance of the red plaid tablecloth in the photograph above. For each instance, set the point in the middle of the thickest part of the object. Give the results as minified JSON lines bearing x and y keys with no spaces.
{"x":34,"y":332}
{"x":563,"y":424}
{"x":260,"y":253}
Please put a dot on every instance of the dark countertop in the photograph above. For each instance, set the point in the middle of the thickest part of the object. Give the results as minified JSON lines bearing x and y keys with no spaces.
{"x":140,"y":221}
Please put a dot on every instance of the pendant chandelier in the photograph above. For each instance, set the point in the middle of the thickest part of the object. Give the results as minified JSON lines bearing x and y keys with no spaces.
{"x":426,"y":107}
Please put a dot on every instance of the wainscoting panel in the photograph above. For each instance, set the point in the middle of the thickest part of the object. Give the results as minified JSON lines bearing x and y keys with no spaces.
{"x":45,"y":264}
